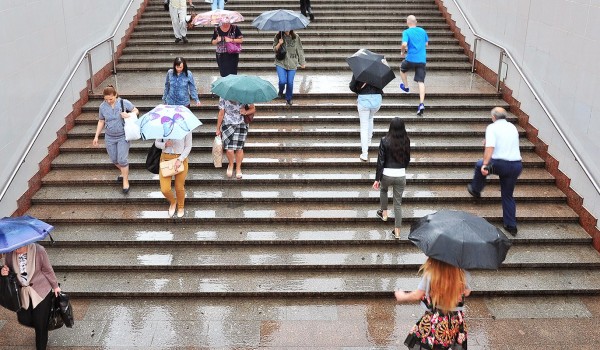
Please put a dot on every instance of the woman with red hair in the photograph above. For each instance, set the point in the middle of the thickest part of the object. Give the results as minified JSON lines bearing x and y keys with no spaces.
{"x":441,"y":291}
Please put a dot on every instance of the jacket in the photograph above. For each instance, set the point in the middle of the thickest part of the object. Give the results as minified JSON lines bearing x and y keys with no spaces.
{"x":386,"y":160}
{"x":295,"y":53}
{"x":355,"y":86}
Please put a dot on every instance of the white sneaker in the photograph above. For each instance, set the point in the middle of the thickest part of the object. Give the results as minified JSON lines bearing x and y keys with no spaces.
{"x":364,"y":157}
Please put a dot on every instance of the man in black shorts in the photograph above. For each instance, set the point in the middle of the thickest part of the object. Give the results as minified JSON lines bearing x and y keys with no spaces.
{"x":414,"y":44}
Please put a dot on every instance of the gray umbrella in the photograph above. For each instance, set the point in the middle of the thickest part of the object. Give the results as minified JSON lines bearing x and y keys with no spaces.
{"x":460,"y":239}
{"x":280,"y":20}
{"x":370,"y":67}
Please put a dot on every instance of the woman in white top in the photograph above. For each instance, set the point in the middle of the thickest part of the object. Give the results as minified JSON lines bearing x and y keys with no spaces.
{"x":172,"y":149}
{"x":392,"y":161}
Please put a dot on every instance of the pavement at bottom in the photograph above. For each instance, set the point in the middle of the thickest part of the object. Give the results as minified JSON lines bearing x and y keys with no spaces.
{"x":508,"y":323}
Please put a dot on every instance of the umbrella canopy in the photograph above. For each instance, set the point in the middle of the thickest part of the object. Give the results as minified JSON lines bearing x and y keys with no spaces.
{"x":460,"y":239}
{"x":167,"y":122}
{"x":244,"y":89}
{"x":371,"y":68}
{"x":280,"y":20}
{"x":20,"y":231}
{"x":216,"y":18}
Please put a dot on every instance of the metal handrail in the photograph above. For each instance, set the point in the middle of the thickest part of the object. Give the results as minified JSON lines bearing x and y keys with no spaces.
{"x":503,"y":52}
{"x":110,"y":38}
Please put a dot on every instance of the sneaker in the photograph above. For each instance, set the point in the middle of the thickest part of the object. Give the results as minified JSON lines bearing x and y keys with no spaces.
{"x":177,"y":40}
{"x":380,"y":215}
{"x":185,"y":40}
{"x":511,"y":229}
{"x":421,"y":109}
{"x":364,"y":157}
{"x":473,"y":192}
{"x":404,"y":88}
{"x":288,"y":102}
{"x":280,"y":95}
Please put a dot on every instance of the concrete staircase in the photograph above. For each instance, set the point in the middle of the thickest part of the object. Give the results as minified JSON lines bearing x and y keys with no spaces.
{"x":302,"y":220}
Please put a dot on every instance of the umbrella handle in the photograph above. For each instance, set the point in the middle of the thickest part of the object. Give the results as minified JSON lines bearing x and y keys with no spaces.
{"x":51,"y":239}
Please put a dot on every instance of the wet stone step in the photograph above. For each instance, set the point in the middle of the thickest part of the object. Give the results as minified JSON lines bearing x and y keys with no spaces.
{"x":284,"y":212}
{"x":186,"y":50}
{"x":338,"y":175}
{"x":253,"y":160}
{"x":301,"y":233}
{"x":517,"y":281}
{"x":278,"y":257}
{"x":236,"y":191}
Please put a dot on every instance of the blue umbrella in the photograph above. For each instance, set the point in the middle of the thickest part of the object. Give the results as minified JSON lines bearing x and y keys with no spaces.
{"x":168,"y":122}
{"x":280,"y":20}
{"x":21,"y":231}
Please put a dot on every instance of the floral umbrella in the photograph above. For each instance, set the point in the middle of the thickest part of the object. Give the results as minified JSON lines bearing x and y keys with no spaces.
{"x":216,"y":18}
{"x":167,"y":122}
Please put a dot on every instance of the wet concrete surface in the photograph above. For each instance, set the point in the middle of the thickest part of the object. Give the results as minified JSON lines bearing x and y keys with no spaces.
{"x":508,"y":323}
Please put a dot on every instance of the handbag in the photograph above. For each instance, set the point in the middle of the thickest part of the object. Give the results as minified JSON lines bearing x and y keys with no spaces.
{"x":167,"y":168}
{"x":55,"y":320}
{"x":232,"y":47}
{"x":153,"y":159}
{"x":248,"y":118}
{"x":217,"y":152}
{"x":281,"y":53}
{"x":10,"y":297}
{"x":66,"y":310}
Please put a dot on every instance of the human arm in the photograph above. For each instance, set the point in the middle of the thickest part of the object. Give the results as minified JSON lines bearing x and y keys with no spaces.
{"x":251,"y":109}
{"x":160,"y":143}
{"x":277,"y":42}
{"x":187,"y":148}
{"x":216,"y":37}
{"x":4,"y":270}
{"x":192,"y":88}
{"x":487,"y":158}
{"x":403,"y":297}
{"x":43,"y":263}
{"x":99,"y":128}
{"x":300,"y":52}
{"x":238,"y":38}
{"x":167,"y":87}
{"x":220,"y":121}
{"x":380,"y":165}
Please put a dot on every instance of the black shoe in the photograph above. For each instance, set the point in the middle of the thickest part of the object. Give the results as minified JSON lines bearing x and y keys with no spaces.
{"x":126,"y":190}
{"x":280,"y":95}
{"x":304,"y":14}
{"x":185,"y":40}
{"x":472,"y":192}
{"x":511,"y":229}
{"x":177,"y":40}
{"x":380,"y":215}
{"x":119,"y":178}
{"x":289,"y":102}
{"x":312,"y":17}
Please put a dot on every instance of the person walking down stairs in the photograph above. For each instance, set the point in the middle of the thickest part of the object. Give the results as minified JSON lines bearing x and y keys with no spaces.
{"x":414,"y":44}
{"x":306,"y":9}
{"x":111,"y":114}
{"x":180,"y":150}
{"x":178,"y":11}
{"x":288,"y":64}
{"x":180,"y":85}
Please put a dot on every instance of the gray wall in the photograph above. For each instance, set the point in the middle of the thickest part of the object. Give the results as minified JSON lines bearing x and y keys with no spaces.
{"x":41,"y":41}
{"x":557,"y":44}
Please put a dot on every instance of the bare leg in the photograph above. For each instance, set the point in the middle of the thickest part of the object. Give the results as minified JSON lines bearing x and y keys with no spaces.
{"x":124,"y":174}
{"x":239,"y":157}
{"x":404,"y":78}
{"x":421,"y":91}
{"x":230,"y":157}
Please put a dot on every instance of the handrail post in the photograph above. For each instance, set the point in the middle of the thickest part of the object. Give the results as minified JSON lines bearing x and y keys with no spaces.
{"x":474,"y":54}
{"x":112,"y":55}
{"x":501,"y":60}
{"x":89,"y":59}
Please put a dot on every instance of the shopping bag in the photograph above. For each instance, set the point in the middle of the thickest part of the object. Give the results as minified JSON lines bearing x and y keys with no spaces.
{"x":9,"y":292}
{"x":55,"y":320}
{"x":66,"y":310}
{"x":132,"y":128}
{"x":217,"y":152}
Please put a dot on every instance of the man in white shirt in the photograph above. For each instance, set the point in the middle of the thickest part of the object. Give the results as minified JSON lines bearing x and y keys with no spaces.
{"x":503,"y":158}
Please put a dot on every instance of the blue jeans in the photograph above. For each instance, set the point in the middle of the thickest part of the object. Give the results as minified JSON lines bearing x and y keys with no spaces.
{"x":508,"y":171}
{"x":286,"y":76}
{"x":218,"y":4}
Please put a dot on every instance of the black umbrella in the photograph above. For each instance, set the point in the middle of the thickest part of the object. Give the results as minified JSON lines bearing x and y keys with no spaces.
{"x":460,"y":239}
{"x":371,"y":68}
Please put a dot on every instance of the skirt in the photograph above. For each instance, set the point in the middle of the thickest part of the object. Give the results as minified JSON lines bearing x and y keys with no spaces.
{"x":234,"y":136}
{"x":438,"y":331}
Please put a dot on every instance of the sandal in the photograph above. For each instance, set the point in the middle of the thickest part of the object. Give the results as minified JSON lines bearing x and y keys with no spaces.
{"x":229,"y":171}
{"x":238,"y":175}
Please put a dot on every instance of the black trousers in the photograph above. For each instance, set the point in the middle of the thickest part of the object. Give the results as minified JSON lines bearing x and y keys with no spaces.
{"x":228,"y":63}
{"x":305,"y":7}
{"x":38,"y":319}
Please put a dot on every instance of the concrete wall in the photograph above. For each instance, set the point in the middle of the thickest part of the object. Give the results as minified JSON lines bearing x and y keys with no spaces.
{"x":41,"y":41}
{"x":557,"y":44}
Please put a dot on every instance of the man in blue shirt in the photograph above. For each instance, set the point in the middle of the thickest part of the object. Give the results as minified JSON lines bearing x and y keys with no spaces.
{"x":414,"y":44}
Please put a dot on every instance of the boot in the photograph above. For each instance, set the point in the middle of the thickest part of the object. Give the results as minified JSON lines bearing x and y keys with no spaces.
{"x":310,"y":14}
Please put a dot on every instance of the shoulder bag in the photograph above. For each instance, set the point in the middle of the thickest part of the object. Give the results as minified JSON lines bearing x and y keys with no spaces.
{"x":153,"y":159}
{"x":232,"y":47}
{"x":10,"y":297}
{"x":248,"y":118}
{"x":280,"y":54}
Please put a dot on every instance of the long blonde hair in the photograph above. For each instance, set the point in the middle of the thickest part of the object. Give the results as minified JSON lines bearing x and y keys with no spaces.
{"x":447,"y":283}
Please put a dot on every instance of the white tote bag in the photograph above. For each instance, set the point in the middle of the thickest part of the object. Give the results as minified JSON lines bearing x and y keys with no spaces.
{"x":132,"y":129}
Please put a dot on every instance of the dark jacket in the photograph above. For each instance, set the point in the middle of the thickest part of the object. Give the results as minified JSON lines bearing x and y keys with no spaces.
{"x":355,"y":86}
{"x":386,"y":160}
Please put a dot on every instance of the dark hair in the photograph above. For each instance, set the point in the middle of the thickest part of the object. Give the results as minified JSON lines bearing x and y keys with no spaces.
{"x":110,"y":90}
{"x":292,"y":34}
{"x":178,"y":61}
{"x":398,"y":140}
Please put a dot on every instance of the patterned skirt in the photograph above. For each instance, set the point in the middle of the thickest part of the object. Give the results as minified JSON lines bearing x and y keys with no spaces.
{"x":234,"y":136}
{"x":438,"y":331}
